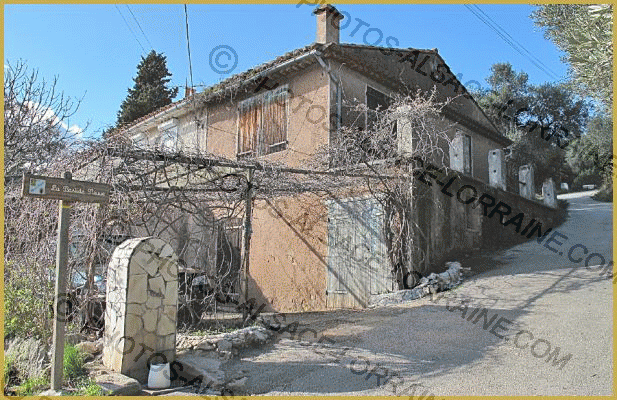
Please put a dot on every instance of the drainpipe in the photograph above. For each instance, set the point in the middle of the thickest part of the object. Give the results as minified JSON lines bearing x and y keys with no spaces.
{"x":337,"y":82}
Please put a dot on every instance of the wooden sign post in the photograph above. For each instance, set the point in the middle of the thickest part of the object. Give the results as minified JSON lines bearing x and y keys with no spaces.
{"x":67,"y":191}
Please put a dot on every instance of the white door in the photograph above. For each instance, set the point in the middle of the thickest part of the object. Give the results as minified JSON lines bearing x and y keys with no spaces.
{"x":357,"y":263}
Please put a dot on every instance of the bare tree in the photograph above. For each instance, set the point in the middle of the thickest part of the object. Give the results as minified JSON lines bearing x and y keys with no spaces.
{"x":36,"y":116}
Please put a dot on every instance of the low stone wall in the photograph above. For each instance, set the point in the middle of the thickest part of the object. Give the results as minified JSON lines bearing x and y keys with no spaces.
{"x":225,"y":345}
{"x":454,"y":219}
{"x":496,"y":232}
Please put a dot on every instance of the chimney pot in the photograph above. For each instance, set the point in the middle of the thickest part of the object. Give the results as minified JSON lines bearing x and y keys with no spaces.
{"x":328,"y":22}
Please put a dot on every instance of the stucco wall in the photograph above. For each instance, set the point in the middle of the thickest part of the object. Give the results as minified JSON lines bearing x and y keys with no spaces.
{"x":415,"y":72}
{"x":288,"y":253}
{"x":213,"y":128}
{"x":307,"y":128}
{"x":354,"y":90}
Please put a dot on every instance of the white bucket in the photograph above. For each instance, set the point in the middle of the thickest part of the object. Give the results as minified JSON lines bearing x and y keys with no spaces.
{"x":159,"y":376}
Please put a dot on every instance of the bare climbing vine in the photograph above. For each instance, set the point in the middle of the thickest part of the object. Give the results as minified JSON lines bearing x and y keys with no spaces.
{"x":196,"y":202}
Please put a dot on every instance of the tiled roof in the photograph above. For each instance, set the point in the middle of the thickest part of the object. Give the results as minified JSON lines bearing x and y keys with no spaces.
{"x":347,"y":52}
{"x":238,"y":79}
{"x":152,"y":114}
{"x":230,"y":81}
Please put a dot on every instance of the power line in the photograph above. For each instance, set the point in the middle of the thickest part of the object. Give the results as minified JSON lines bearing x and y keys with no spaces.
{"x":517,"y":42}
{"x":128,"y":26}
{"x":188,"y":44}
{"x":137,"y":22}
{"x":502,"y":33}
{"x":498,"y":30}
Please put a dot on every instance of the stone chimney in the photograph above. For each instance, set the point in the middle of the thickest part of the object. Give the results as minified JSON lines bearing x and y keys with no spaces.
{"x":328,"y":20}
{"x":188,"y":91}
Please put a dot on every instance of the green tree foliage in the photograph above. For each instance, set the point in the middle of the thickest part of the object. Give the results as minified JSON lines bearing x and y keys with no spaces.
{"x":26,"y":310}
{"x":585,"y":33}
{"x":591,"y":157}
{"x":508,"y":91}
{"x":541,"y":120}
{"x":150,"y":91}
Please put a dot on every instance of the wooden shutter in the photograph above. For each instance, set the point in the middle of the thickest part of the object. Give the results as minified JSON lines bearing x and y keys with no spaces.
{"x":375,"y":101}
{"x":275,"y":121}
{"x":358,"y":266}
{"x":249,"y":123}
{"x":262,"y":127}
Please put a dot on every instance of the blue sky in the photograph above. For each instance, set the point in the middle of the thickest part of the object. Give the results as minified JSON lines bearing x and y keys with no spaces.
{"x":94,"y":49}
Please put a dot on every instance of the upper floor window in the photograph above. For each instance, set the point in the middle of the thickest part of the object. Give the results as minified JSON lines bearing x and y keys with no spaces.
{"x":169,"y":140}
{"x":375,"y":101}
{"x":262,"y":123}
{"x":140,"y":141}
{"x":380,"y":141}
{"x":467,"y":155}
{"x":168,"y":137}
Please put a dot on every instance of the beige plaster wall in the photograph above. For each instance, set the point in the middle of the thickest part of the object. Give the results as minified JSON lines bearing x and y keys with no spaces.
{"x":288,"y":253}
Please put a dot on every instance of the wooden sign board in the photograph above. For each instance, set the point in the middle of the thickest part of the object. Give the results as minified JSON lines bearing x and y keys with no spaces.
{"x":64,"y":189}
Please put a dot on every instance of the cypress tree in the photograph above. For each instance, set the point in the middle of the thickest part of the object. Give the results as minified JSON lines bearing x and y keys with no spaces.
{"x":150,"y":91}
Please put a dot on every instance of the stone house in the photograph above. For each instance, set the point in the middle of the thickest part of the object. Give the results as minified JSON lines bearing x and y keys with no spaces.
{"x":286,"y":109}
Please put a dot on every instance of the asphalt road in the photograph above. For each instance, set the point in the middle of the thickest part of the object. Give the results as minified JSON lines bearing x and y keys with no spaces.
{"x":536,"y":324}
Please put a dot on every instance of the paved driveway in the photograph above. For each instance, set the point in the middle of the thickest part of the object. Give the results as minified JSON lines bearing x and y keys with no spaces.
{"x":536,"y":324}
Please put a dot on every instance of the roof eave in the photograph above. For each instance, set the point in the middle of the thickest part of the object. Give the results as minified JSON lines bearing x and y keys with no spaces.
{"x":181,"y":107}
{"x":175,"y":111}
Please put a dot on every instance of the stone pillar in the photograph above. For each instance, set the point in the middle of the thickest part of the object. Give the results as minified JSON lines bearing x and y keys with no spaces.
{"x":497,"y":169}
{"x":404,"y":136}
{"x":404,"y":132}
{"x":525,"y":181}
{"x":141,"y":307}
{"x":457,"y":159}
{"x":548,"y":192}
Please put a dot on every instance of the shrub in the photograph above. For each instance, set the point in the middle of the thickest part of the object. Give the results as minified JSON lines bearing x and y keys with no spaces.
{"x":90,"y":388}
{"x":26,"y":306}
{"x":604,"y":194}
{"x":587,"y":177}
{"x":32,"y":386}
{"x":73,"y":363}
{"x":10,"y":372}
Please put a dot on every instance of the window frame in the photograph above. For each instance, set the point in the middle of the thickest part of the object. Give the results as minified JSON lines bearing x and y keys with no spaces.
{"x":467,"y":169}
{"x":168,"y":131}
{"x":389,"y":99}
{"x":140,"y":141}
{"x":261,"y":101}
{"x":366,"y":96}
{"x":168,"y":135}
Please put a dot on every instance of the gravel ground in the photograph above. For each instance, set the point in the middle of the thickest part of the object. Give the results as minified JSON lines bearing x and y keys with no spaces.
{"x":539,"y":301}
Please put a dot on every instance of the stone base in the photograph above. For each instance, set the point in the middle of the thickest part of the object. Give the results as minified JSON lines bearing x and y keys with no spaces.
{"x":51,"y":392}
{"x":115,"y":384}
{"x":205,"y":370}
